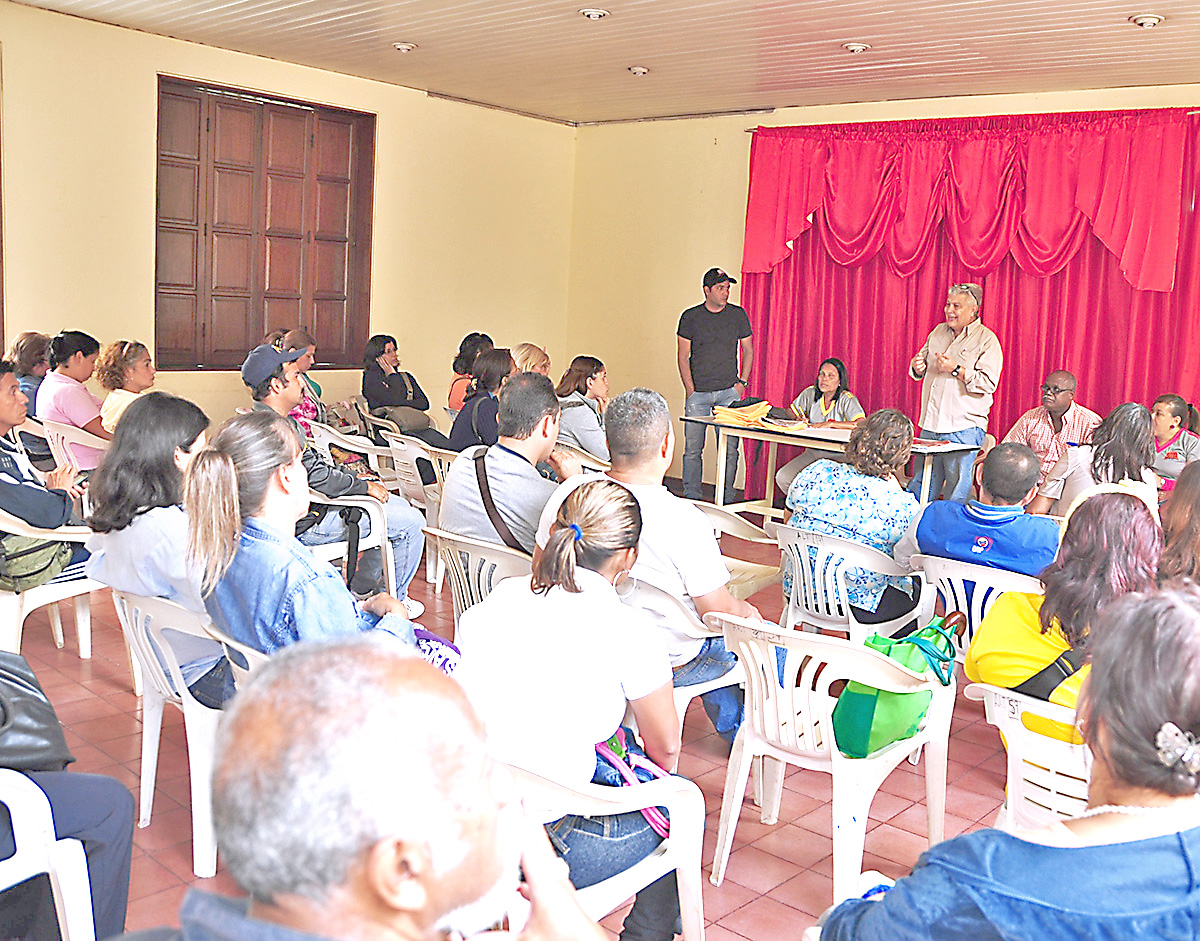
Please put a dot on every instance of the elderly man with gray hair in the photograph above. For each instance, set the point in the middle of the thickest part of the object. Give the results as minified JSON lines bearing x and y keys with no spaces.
{"x":353,"y":798}
{"x":677,"y":552}
{"x":959,"y":368}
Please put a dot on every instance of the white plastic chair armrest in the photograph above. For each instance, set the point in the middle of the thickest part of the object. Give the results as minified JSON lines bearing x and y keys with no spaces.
{"x":32,"y":820}
{"x":18,"y":527}
{"x":599,"y":800}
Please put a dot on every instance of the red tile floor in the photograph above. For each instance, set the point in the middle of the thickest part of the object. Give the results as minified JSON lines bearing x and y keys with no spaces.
{"x":779,"y":878}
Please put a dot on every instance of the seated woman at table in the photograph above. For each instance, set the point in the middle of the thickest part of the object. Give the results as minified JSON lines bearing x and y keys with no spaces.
{"x":1121,"y":451}
{"x":827,"y":403}
{"x":1126,"y":867}
{"x":862,"y":500}
{"x":63,"y":397}
{"x":464,"y":368}
{"x":583,"y":393}
{"x":244,"y":493}
{"x":126,"y":371}
{"x":1036,"y":644}
{"x":1176,"y":442}
{"x":477,"y":422}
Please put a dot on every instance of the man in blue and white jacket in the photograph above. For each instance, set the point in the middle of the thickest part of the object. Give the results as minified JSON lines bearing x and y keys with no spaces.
{"x":49,"y":505}
{"x":994,"y":530}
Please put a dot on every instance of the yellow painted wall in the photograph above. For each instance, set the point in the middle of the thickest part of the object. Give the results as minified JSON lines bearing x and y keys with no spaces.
{"x":658,"y":203}
{"x":586,"y":241}
{"x":472,"y":207}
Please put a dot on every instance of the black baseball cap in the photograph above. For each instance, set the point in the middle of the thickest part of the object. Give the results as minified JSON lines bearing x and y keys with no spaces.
{"x":263,"y":361}
{"x":716,"y":276}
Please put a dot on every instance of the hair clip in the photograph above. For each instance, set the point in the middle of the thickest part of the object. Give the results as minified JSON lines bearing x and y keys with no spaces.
{"x":1177,"y":749}
{"x":578,"y":532}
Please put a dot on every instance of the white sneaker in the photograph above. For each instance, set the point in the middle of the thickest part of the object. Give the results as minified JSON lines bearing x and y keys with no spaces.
{"x":413,"y":608}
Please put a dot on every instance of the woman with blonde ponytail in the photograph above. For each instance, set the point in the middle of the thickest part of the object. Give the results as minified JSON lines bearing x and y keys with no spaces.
{"x":552,"y":662}
{"x":243,"y":494}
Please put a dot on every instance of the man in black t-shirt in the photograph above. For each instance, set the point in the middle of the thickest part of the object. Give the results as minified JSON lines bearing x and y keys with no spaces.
{"x":710,"y":335}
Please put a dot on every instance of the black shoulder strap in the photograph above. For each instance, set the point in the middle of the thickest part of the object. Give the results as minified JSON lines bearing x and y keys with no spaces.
{"x":485,"y":494}
{"x":1048,"y":678}
{"x":474,"y":416}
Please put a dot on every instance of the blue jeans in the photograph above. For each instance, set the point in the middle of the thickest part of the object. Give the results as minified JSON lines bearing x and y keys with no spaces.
{"x":700,"y":405}
{"x":954,"y":470}
{"x":404,"y":522}
{"x":596,"y":848}
{"x":724,"y":706}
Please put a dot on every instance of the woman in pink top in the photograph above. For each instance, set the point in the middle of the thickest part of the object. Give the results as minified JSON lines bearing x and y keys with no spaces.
{"x":63,"y":397}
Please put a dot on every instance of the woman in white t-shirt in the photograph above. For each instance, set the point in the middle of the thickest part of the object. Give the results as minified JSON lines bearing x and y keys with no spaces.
{"x":1121,"y":451}
{"x":551,"y":663}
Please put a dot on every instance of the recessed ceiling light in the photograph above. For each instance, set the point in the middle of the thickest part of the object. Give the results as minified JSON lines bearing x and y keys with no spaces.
{"x":639,"y":70}
{"x":1146,"y":20}
{"x":855,"y":48}
{"x":404,"y":46}
{"x":593,"y":13}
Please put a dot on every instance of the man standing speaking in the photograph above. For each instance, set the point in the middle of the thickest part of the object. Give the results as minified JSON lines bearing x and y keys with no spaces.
{"x":959,"y":366}
{"x":710,"y":335}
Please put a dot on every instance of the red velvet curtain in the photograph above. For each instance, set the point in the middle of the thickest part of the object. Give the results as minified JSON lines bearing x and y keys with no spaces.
{"x":1081,"y":228}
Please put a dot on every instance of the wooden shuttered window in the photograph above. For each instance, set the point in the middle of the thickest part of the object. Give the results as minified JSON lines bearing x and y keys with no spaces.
{"x":263,"y":222}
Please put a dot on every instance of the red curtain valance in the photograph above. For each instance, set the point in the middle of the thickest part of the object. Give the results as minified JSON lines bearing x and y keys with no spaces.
{"x":1029,"y":186}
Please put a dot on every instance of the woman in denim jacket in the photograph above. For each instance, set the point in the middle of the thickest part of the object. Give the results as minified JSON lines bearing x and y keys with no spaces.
{"x":243,"y":494}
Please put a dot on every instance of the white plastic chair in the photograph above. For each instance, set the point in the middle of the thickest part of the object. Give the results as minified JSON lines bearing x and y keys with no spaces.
{"x":953,"y":580}
{"x":792,"y":724}
{"x":62,"y":437}
{"x":377,"y":538}
{"x":665,"y":606}
{"x":819,"y":594}
{"x":372,"y":423}
{"x":15,"y":607}
{"x":38,"y":850}
{"x":746,"y":578}
{"x":679,"y":852}
{"x":325,"y":435}
{"x":1047,"y":777}
{"x":344,"y":418}
{"x":474,"y":566}
{"x":405,"y":452}
{"x":242,"y":657}
{"x":589,"y":460}
{"x":147,"y":623}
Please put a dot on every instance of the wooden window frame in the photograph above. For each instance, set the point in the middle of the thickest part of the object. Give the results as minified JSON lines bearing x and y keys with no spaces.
{"x":220,"y":286}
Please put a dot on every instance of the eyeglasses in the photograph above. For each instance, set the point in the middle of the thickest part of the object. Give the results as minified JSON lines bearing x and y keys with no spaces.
{"x":974,"y":290}
{"x":1054,"y":390}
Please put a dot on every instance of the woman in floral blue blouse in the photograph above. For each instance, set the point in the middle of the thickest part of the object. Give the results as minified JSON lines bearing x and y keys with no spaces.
{"x":862,"y":500}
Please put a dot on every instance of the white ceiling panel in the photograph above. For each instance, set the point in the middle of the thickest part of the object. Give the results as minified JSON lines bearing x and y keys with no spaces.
{"x":541,"y":57}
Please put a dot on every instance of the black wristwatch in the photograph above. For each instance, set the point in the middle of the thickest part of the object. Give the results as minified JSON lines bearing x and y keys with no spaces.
{"x":955,"y":371}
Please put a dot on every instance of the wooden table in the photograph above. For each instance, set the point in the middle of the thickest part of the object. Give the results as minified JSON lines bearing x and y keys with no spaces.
{"x":832,"y":440}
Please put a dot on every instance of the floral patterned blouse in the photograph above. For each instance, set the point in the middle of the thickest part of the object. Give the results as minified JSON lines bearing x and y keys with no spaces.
{"x":834,"y":499}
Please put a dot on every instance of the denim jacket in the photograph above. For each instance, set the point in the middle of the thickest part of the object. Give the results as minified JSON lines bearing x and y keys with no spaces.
{"x":277,"y":593}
